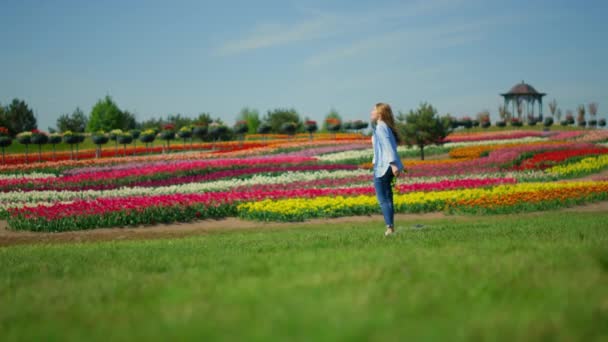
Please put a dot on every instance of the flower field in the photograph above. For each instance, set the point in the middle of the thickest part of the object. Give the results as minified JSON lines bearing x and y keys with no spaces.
{"x":295,"y":179}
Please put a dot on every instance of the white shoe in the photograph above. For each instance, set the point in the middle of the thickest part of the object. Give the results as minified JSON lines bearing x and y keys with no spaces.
{"x":389,"y":231}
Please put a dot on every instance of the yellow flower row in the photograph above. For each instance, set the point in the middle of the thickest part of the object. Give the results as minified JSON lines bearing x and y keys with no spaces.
{"x":295,"y":209}
{"x":584,"y":166}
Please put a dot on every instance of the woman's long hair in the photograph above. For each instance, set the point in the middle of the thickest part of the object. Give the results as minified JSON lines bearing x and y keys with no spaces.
{"x":386,"y":114}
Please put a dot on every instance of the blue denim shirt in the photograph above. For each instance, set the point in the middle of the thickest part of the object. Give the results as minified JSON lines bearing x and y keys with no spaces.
{"x":385,"y":149}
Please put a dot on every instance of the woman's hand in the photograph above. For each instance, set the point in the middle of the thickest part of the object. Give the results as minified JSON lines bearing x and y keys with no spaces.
{"x":396,"y":171}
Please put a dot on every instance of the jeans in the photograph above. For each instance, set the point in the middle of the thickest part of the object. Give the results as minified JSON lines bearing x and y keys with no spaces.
{"x":384,"y":192}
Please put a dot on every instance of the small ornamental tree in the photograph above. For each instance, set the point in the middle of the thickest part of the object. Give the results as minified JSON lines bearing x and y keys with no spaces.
{"x":548,"y":122}
{"x":569,"y":117}
{"x":466,"y":122}
{"x":114,"y":137}
{"x":199,"y":131}
{"x":99,"y":138}
{"x":580,"y":119}
{"x":124,"y":139}
{"x":167,"y":134}
{"x":333,"y":125}
{"x":515,"y":122}
{"x":360,"y":125}
{"x":185,"y":133}
{"x":216,"y":130}
{"x":71,"y":139}
{"x":289,"y":128}
{"x":240,"y":128}
{"x":25,"y":138}
{"x":264,"y":128}
{"x":348,"y":125}
{"x":553,"y":107}
{"x":5,"y":141}
{"x":135,"y":133}
{"x":147,"y":137}
{"x":54,"y":139}
{"x":39,"y":138}
{"x":311,"y":127}
{"x":593,"y":114}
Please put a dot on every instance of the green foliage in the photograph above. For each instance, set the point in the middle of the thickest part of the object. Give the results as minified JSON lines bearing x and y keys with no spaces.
{"x":75,"y":122}
{"x":251,"y":117}
{"x":106,"y":116}
{"x":17,"y":117}
{"x":331,"y":116}
{"x":203,"y":119}
{"x":423,"y":127}
{"x":179,"y":120}
{"x":277,"y":117}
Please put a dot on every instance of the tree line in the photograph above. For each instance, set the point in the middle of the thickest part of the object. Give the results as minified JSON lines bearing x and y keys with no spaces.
{"x":106,"y":116}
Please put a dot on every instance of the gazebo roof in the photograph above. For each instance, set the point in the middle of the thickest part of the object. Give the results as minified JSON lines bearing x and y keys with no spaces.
{"x":523,"y":89}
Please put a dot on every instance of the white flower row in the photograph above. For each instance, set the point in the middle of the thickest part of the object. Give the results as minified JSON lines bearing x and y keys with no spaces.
{"x":35,"y":175}
{"x":219,"y":185}
{"x":368,"y":153}
{"x":5,"y":206}
{"x":12,"y":199}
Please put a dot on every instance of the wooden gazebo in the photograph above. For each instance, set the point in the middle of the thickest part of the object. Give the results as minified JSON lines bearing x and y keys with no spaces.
{"x":521,"y":93}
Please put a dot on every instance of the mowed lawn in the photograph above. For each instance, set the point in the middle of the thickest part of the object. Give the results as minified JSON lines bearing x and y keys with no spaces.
{"x":505,"y":278}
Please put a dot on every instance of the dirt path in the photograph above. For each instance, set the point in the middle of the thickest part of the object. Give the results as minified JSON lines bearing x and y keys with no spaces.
{"x":9,"y":237}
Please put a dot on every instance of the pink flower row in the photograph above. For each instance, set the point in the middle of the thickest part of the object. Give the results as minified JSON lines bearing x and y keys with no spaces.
{"x":103,"y":206}
{"x":156,"y":168}
{"x":492,"y":163}
{"x":493,"y":136}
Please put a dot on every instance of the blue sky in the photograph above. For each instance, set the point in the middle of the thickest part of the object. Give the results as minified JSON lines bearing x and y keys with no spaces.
{"x":160,"y":57}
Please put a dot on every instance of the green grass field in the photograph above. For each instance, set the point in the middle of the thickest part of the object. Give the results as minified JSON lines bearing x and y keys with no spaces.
{"x":502,"y":278}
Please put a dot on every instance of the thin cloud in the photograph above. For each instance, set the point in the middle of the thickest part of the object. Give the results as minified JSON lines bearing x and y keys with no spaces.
{"x":322,"y":25}
{"x":270,"y":35}
{"x":446,"y":35}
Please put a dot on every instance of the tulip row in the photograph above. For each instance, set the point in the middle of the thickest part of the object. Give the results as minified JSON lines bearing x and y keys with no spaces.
{"x":477,"y":151}
{"x":76,"y":215}
{"x":581,"y":168}
{"x":548,"y":159}
{"x":485,"y":136}
{"x":500,"y":199}
{"x":114,"y":178}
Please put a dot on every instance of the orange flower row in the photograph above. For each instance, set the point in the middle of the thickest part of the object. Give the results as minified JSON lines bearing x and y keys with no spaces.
{"x":518,"y":198}
{"x":472,"y":152}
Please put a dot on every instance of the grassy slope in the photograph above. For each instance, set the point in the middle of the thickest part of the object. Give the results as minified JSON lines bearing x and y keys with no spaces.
{"x":534,"y":277}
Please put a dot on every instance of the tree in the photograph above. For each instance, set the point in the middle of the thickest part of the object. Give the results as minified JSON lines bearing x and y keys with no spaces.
{"x":277,"y":117}
{"x":106,"y":116}
{"x":333,"y":114}
{"x":553,"y":107}
{"x":252,"y":117}
{"x":593,"y":109}
{"x":503,"y":113}
{"x":580,"y":119}
{"x":3,"y":121}
{"x":179,"y":120}
{"x":18,"y":117}
{"x":423,"y":127}
{"x":203,"y":119}
{"x":593,"y":113}
{"x":483,"y":118}
{"x":76,"y":122}
{"x":310,"y":126}
{"x":129,"y":121}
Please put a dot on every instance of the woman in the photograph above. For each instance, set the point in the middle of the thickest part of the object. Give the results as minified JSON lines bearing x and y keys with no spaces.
{"x":387,"y":164}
